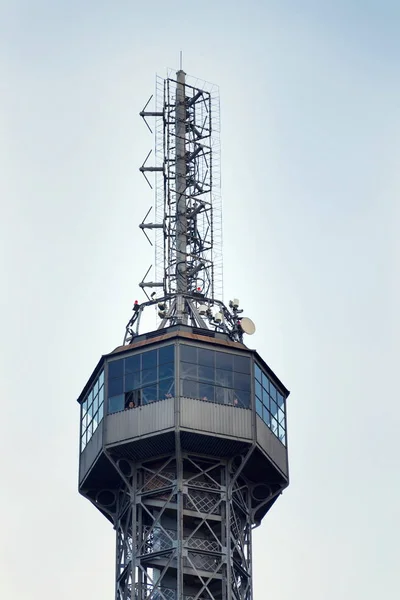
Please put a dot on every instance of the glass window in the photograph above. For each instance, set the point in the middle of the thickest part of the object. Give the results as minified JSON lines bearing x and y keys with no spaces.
{"x":280,"y":401}
{"x":149,"y":394}
{"x":92,"y":410}
{"x":241,"y":364}
{"x":166,"y":354}
{"x":224,"y":378}
{"x":166,"y":370}
{"x":258,"y":389}
{"x":190,"y":388}
{"x":259,"y":407}
{"x":272,"y":391}
{"x":116,"y":403}
{"x":257,"y":373}
{"x":265,"y":381}
{"x":149,"y":376}
{"x":242,"y":397}
{"x":166,"y":389}
{"x":133,"y":381}
{"x":149,"y":359}
{"x":241,"y":381}
{"x":273,"y":409}
{"x":266,"y":417}
{"x":224,"y":395}
{"x":206,"y":357}
{"x":188,"y":353}
{"x":265,"y":398}
{"x":223,"y":360}
{"x":206,"y":392}
{"x":274,"y":426}
{"x":132,"y":364}
{"x":189,"y":370}
{"x":116,"y":368}
{"x":206,"y":374}
{"x":115,"y":386}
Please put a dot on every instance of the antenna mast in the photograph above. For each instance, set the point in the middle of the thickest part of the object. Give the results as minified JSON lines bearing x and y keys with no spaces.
{"x":188,"y":231}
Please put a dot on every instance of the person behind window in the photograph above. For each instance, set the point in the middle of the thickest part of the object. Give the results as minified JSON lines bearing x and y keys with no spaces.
{"x":130,"y":405}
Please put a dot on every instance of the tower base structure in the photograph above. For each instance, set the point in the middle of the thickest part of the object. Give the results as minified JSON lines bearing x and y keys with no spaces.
{"x":183,"y":449}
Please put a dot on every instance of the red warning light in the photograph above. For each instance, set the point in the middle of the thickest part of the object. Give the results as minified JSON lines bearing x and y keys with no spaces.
{"x":199,"y":289}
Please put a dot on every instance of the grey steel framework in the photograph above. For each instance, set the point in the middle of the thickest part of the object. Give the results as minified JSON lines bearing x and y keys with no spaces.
{"x":192,"y":519}
{"x":188,"y":227}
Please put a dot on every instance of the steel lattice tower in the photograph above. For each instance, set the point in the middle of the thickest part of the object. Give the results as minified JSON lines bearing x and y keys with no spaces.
{"x":183,"y":429}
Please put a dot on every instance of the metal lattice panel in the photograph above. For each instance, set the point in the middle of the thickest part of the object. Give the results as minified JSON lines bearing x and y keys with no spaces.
{"x":212,"y":549}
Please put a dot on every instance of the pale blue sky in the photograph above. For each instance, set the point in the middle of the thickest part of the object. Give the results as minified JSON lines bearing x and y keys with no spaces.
{"x":310,"y":101}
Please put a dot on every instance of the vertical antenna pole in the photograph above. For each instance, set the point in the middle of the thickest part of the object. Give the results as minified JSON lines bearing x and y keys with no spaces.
{"x":180,"y":185}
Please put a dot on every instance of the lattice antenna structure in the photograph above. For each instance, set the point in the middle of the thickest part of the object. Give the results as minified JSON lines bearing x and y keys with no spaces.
{"x":188,"y":224}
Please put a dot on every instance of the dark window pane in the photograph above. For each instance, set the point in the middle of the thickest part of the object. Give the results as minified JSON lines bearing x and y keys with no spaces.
{"x":241,"y":381}
{"x":166,"y":370}
{"x":241,"y":364}
{"x":96,"y":387}
{"x":132,"y":381}
{"x":101,"y":394}
{"x":258,"y":389}
{"x":189,"y":370}
{"x":115,"y":387}
{"x":115,"y":368}
{"x":242,"y":397}
{"x":188,"y":353}
{"x":280,"y":401}
{"x":206,"y":374}
{"x":223,"y":360}
{"x":257,"y":372}
{"x":190,"y":388}
{"x":149,"y":376}
{"x":166,"y":389}
{"x":101,"y":378}
{"x":101,"y":412}
{"x":223,"y":395}
{"x":272,"y":391}
{"x":166,"y":354}
{"x":266,"y":417}
{"x":115,"y":404}
{"x":206,"y":357}
{"x":149,"y":394}
{"x":259,"y":407}
{"x":265,"y":398}
{"x":273,"y":408}
{"x":96,"y":404}
{"x":265,"y":381}
{"x":224,"y":378}
{"x":206,"y":392}
{"x":149,"y":359}
{"x":132,"y":364}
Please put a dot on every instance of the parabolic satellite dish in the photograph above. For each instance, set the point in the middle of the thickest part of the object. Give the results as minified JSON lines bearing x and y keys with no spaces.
{"x":247,"y":325}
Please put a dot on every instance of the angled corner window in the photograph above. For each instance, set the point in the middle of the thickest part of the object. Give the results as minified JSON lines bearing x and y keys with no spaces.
{"x":270,"y":404}
{"x":92,"y":410}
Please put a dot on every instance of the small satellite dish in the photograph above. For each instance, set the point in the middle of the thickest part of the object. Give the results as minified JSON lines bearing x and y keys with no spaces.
{"x":247,"y":325}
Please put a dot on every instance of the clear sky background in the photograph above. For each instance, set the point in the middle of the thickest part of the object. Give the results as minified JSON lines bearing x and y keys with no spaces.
{"x":310,"y":100}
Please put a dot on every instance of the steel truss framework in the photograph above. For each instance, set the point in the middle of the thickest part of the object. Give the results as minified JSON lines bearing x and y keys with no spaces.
{"x":183,"y":529}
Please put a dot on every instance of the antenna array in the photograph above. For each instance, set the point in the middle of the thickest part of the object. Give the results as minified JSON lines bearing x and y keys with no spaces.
{"x":188,"y":224}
